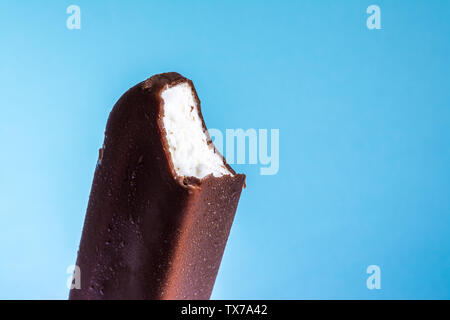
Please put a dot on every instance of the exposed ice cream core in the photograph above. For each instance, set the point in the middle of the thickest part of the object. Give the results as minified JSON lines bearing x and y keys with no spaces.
{"x":191,"y":154}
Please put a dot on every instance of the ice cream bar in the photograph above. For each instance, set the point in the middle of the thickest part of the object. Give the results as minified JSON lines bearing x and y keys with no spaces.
{"x":162,"y":201}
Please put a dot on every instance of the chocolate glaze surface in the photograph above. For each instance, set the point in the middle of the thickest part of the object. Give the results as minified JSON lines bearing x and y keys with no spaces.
{"x":149,"y":234}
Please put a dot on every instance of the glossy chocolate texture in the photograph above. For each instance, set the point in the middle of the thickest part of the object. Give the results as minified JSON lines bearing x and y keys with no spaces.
{"x":148,"y":233}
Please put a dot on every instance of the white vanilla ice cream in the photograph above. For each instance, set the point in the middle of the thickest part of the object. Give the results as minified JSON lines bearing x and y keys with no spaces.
{"x":191,"y":154}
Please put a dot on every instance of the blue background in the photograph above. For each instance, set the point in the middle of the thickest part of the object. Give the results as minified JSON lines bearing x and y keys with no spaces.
{"x":364,"y":119}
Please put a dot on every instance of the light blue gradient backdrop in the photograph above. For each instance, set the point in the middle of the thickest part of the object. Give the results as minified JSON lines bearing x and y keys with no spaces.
{"x":364,"y":119}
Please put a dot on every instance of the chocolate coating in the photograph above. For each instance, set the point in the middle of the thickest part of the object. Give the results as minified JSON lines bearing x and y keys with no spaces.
{"x":149,"y":234}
